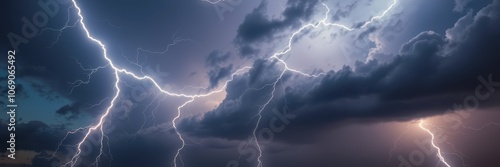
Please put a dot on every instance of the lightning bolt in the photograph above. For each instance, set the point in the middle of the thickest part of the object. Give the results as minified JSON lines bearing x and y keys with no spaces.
{"x":117,"y":71}
{"x":177,"y":155}
{"x":175,"y":41}
{"x":441,"y":158}
{"x":60,"y":30}
{"x":396,"y":141}
{"x":457,"y":153}
{"x":288,"y":48}
{"x":120,"y":71}
{"x":90,"y":106}
{"x":89,"y":71}
{"x":473,"y":128}
{"x":144,"y":113}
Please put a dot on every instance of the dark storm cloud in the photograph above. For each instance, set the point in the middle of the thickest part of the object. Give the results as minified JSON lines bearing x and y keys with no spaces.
{"x":44,"y":91}
{"x":217,"y":71}
{"x":48,"y":71}
{"x":430,"y":69}
{"x":72,"y":111}
{"x":366,"y":32}
{"x":257,"y":27}
{"x":149,"y":147}
{"x":429,"y":75}
{"x":244,"y":98}
{"x":36,"y":136}
{"x":247,"y":50}
{"x":215,"y":58}
{"x":20,"y":89}
{"x":54,"y":67}
{"x":215,"y":75}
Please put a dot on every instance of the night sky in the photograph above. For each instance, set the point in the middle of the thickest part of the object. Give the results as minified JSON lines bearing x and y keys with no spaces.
{"x":252,"y":83}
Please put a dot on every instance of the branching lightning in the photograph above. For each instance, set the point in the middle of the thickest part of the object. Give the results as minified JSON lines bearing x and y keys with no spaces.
{"x":175,"y":41}
{"x":117,"y":72}
{"x":441,"y":158}
{"x":177,"y":155}
{"x":396,"y":141}
{"x":89,"y":72}
{"x":461,"y":124}
{"x":474,"y":128}
{"x":190,"y":98}
{"x":62,"y":29}
{"x":288,"y":48}
{"x":442,"y":130}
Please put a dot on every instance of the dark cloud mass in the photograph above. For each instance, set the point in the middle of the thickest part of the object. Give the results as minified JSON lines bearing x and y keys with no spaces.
{"x":257,"y":27}
{"x":37,"y":136}
{"x":216,"y":57}
{"x":418,"y":62}
{"x":218,"y":72}
{"x":232,"y":118}
{"x":430,"y":73}
{"x":70,"y":110}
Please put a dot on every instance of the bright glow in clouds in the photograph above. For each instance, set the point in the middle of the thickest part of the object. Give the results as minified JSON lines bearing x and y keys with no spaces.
{"x":190,"y":98}
{"x":433,"y":143}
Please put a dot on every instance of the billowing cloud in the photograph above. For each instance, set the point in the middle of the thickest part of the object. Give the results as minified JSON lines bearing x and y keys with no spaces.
{"x":427,"y":77}
{"x":257,"y":27}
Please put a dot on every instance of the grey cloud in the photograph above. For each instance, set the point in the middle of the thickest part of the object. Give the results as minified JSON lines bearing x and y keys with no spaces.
{"x":257,"y":27}
{"x":429,"y":75}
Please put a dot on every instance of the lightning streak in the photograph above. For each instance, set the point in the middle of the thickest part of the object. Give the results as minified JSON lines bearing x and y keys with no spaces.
{"x":117,"y":72}
{"x":259,"y":117}
{"x":288,"y":48}
{"x":380,"y":16}
{"x":441,"y":158}
{"x":177,"y":155}
{"x":75,"y":158}
{"x":191,"y":98}
{"x":396,"y":141}
{"x":60,"y":30}
{"x":90,"y":71}
{"x":175,"y":40}
{"x":473,"y":128}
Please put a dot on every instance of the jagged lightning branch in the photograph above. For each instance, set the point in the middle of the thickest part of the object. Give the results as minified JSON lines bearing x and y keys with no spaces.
{"x":61,"y":30}
{"x":91,"y":71}
{"x":456,"y":152}
{"x":177,"y":154}
{"x":473,"y":128}
{"x":144,"y":113}
{"x":117,"y":71}
{"x":74,"y":159}
{"x":395,"y":144}
{"x":175,"y":40}
{"x":288,"y":48}
{"x":441,"y":158}
{"x":191,"y":98}
{"x":259,"y":117}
